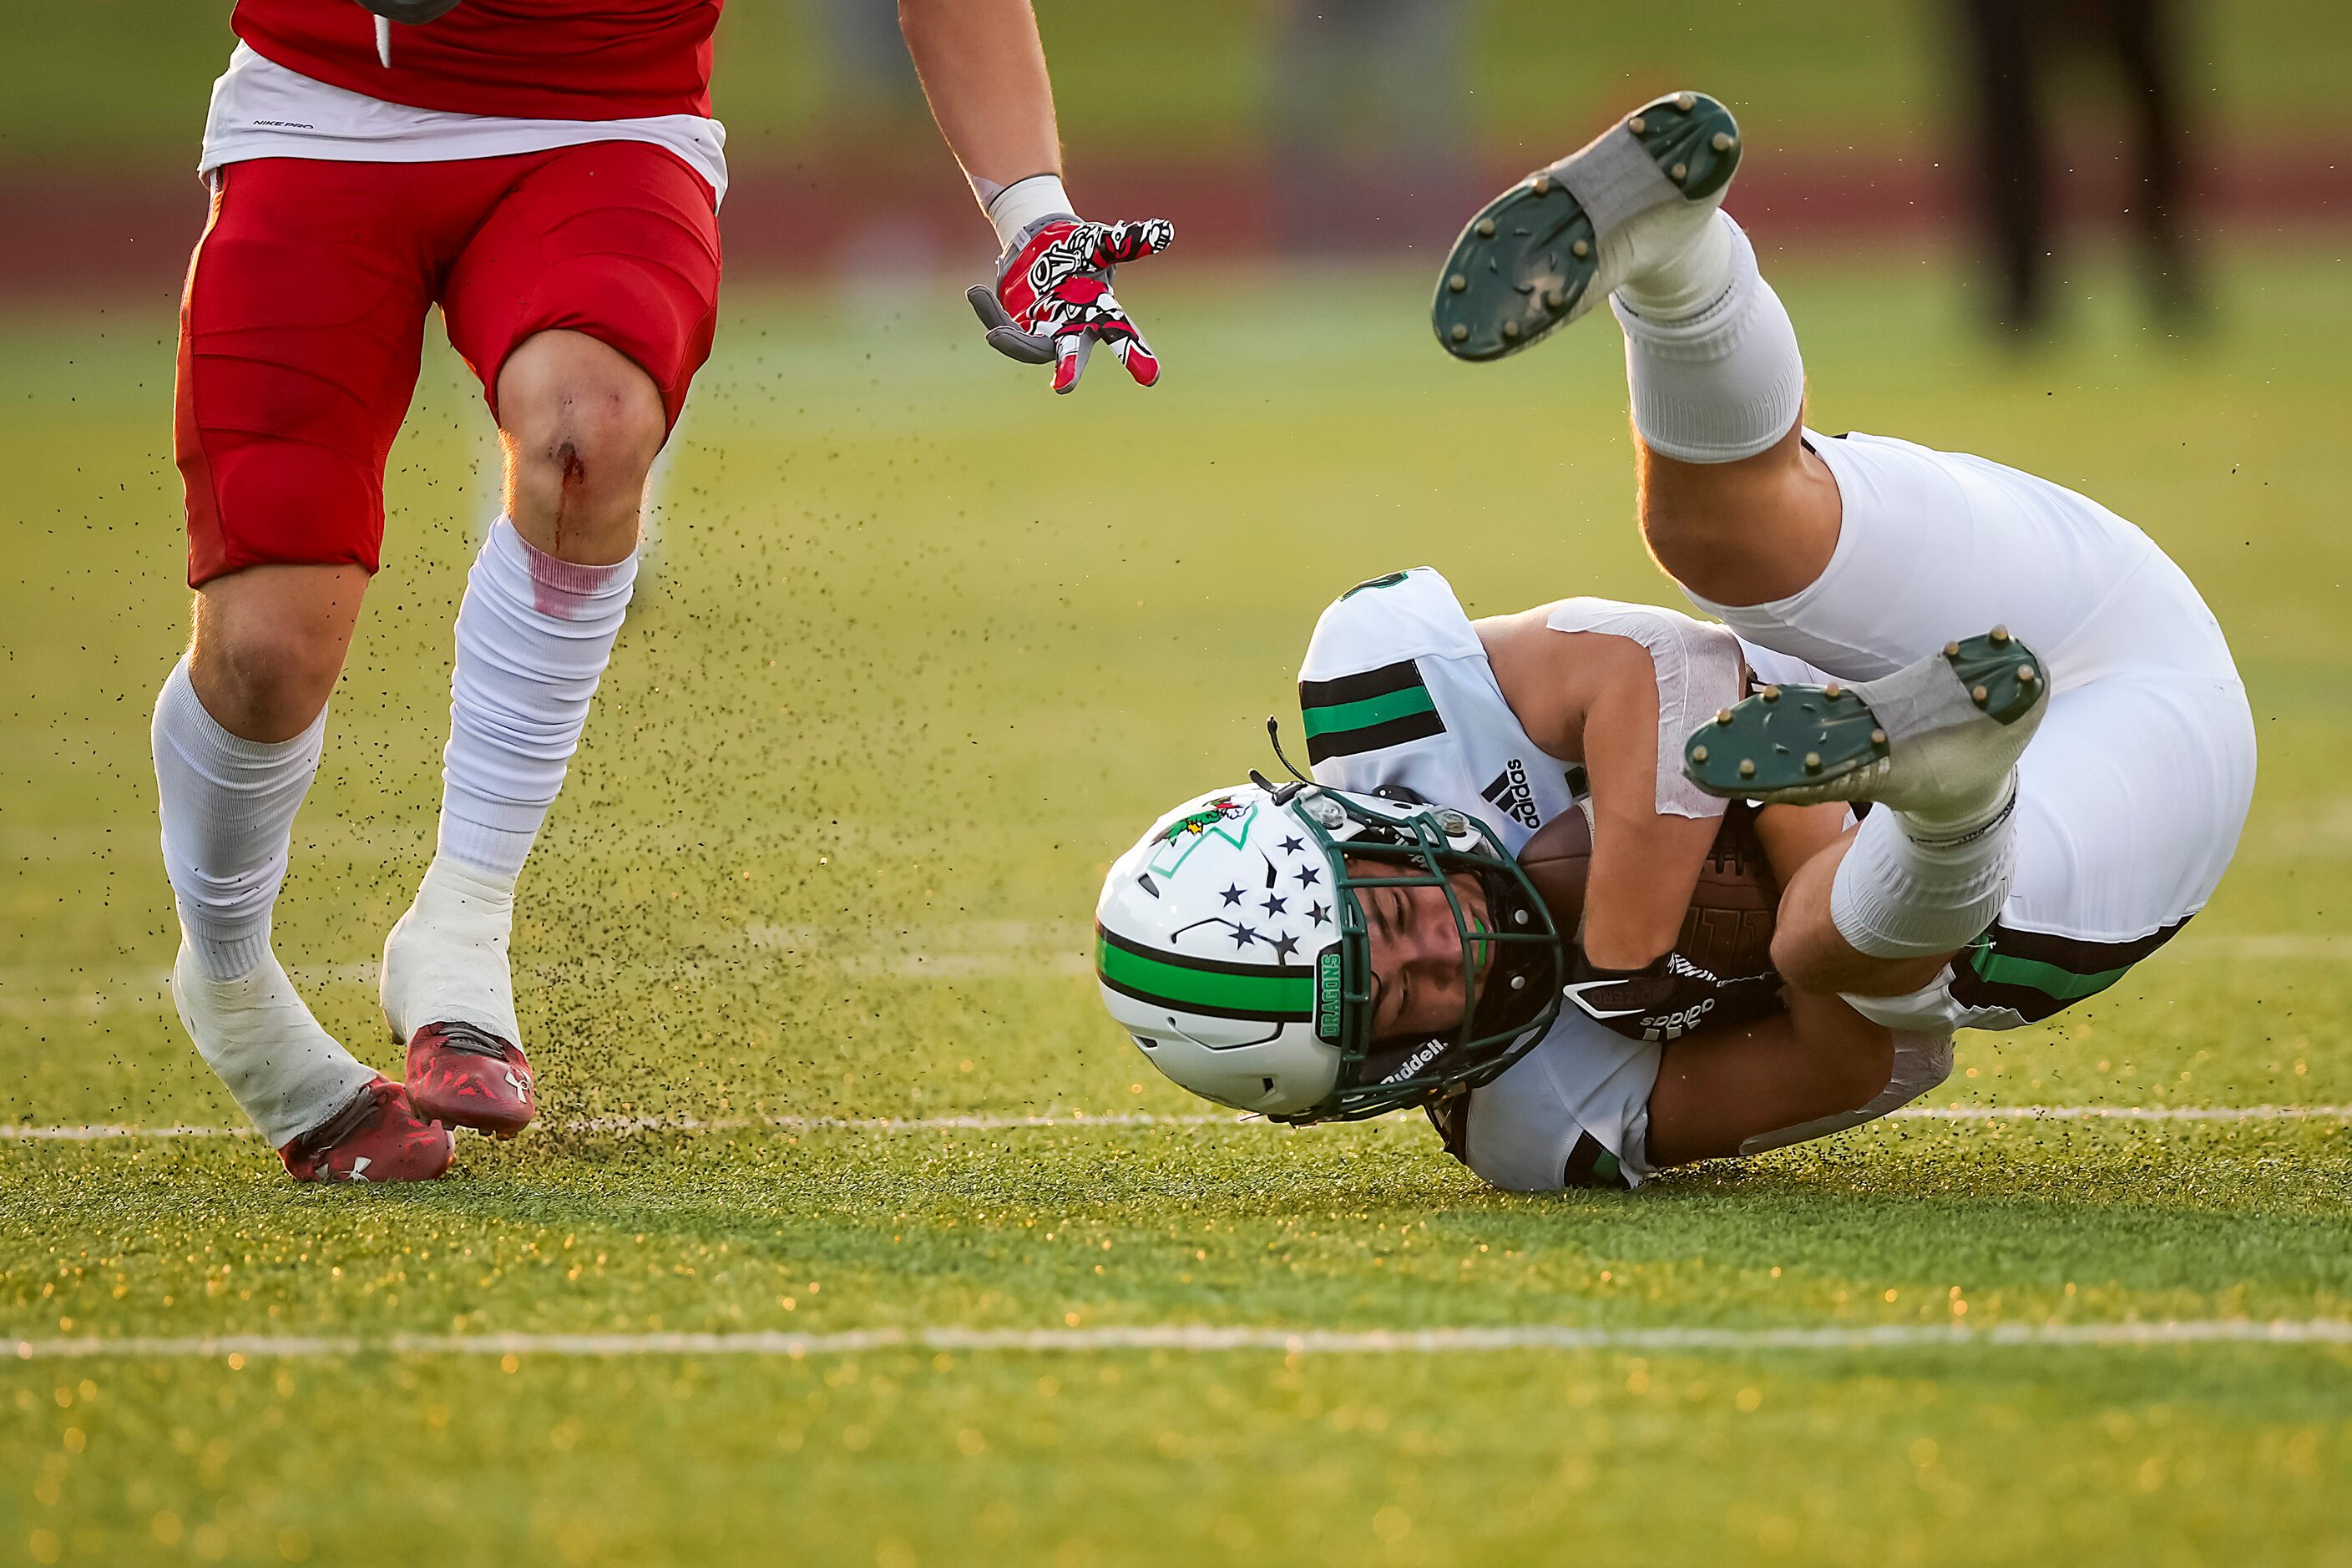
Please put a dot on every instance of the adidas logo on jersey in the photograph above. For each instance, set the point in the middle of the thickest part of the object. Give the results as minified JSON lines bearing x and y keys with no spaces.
{"x":1509,"y":794}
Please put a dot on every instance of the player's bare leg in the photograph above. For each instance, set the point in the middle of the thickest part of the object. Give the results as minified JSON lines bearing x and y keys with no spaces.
{"x":239,"y":729}
{"x":582,"y":425}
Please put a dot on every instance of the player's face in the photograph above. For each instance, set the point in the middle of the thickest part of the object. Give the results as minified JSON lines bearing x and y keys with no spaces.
{"x":1419,"y":981}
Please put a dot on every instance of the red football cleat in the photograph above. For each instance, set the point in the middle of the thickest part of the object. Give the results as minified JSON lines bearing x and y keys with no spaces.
{"x":375,"y":1138}
{"x":464,"y":1076}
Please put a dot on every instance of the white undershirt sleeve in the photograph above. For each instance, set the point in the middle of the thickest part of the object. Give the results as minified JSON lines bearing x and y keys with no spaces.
{"x":1698,"y":669}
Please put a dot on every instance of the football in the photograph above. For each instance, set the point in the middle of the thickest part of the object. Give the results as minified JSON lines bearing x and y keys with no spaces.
{"x":1728,"y":928}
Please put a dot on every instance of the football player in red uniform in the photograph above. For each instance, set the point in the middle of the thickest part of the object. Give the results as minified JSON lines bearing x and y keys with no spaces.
{"x":549,"y":173}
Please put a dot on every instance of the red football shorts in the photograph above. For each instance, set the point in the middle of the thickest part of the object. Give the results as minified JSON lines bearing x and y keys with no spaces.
{"x":304,"y":317}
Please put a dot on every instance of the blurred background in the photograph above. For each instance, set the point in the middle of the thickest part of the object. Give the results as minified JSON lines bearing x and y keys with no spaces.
{"x":2011,"y":128}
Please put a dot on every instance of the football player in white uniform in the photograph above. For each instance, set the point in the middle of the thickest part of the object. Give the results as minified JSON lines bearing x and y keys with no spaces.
{"x":1915,"y":619}
{"x":1348,"y":947}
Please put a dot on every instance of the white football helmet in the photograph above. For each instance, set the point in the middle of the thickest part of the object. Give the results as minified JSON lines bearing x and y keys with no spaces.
{"x":1231,"y":946}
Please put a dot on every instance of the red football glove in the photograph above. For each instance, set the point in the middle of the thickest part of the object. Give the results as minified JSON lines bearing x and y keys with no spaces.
{"x":1053,"y":298}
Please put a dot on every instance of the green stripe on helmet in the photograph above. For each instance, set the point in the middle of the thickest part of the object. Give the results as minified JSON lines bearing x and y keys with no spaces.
{"x":1369,"y":711}
{"x":1230,"y":992}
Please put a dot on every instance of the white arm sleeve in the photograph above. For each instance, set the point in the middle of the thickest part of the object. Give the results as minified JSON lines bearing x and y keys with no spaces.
{"x":1697,"y":665}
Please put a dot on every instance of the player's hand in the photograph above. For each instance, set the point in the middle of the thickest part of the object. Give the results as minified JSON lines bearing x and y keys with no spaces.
{"x":1053,"y":302}
{"x":1667,"y":1000}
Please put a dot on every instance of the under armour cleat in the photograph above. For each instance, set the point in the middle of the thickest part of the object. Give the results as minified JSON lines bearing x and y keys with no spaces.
{"x":461,"y":1076}
{"x":1935,"y":739}
{"x":1546,"y":251}
{"x":375,"y":1138}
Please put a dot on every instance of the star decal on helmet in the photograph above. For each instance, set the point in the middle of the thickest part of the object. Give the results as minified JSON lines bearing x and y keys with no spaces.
{"x":1244,"y":936}
{"x":1293,"y":846}
{"x":1285,"y":947}
{"x":1309,"y":877}
{"x":1232,"y":896}
{"x":1321,"y":913}
{"x":1275,"y":906}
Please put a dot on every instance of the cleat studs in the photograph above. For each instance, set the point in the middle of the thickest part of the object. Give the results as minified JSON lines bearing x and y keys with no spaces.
{"x":1460,"y":334}
{"x":1686,"y":102}
{"x":1698,"y":753}
{"x":1637,"y":125}
{"x":1510,"y":329}
{"x":1770,"y":694}
{"x":1878,"y":738}
{"x":1485,"y":229}
{"x":1833,"y":692}
{"x":1813,"y":762}
{"x":1679,"y":173}
{"x":1979,"y":695}
{"x":1723,"y":715}
{"x":1555,"y":299}
{"x":2026,"y":675}
{"x":1457,"y":283}
{"x":2000,"y":635}
{"x":1540,"y":184}
{"x":1581,"y":248}
{"x":1722,"y":141}
{"x":1951,"y":650}
{"x":1747,"y":767}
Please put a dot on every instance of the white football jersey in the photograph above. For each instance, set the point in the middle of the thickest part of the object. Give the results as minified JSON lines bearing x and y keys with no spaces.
{"x":1396,"y":691}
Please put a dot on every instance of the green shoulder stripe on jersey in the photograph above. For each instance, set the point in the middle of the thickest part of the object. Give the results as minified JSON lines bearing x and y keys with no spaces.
{"x":1388,"y":581}
{"x":2036,"y":975}
{"x":1269,"y":992}
{"x":1380,"y":708}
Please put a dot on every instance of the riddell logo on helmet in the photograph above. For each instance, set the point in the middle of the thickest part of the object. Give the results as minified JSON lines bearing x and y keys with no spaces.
{"x":1674,"y":1026}
{"x":1413,"y":1064}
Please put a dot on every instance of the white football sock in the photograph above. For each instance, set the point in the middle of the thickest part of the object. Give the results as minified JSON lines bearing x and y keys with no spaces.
{"x":445,"y":959}
{"x":1692,"y":276}
{"x":285,"y":1071}
{"x":1726,"y":382}
{"x":1907,"y":889}
{"x":534,"y":633}
{"x":227,"y":806}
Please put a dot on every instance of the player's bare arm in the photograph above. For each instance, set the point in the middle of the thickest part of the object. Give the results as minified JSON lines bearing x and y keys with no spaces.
{"x":1592,"y":698}
{"x":983,"y":69}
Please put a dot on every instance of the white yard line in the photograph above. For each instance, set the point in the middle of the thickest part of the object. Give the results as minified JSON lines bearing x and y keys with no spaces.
{"x":101,"y":1131}
{"x":2124,"y":1113}
{"x":1204,"y":1339}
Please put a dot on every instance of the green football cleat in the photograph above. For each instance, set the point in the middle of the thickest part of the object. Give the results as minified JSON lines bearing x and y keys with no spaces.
{"x":1549,"y":248}
{"x":1930,"y":739}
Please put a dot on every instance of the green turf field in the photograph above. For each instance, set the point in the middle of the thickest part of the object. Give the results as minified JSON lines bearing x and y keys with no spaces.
{"x":923,"y":648}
